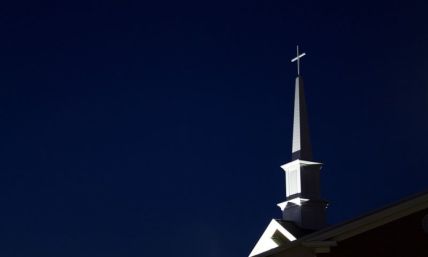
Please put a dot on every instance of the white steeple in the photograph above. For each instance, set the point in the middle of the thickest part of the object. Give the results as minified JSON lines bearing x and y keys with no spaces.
{"x":303,"y":205}
{"x":303,"y":210}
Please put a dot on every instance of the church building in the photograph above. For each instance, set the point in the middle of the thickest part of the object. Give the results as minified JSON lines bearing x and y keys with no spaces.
{"x":398,"y":230}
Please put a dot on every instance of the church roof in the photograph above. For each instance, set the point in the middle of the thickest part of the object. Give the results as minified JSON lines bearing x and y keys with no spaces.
{"x":320,"y":241}
{"x":294,"y":229}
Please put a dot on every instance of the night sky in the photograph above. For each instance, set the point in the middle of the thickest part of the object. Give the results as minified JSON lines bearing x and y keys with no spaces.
{"x":158,"y":129}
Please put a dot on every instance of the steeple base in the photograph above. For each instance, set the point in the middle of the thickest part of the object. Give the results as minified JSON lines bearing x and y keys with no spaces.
{"x":305,"y":213}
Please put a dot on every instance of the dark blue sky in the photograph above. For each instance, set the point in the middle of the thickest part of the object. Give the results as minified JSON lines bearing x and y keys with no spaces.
{"x":136,"y":129}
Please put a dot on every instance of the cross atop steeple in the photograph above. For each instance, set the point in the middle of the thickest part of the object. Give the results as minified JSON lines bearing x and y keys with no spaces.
{"x":297,"y":58}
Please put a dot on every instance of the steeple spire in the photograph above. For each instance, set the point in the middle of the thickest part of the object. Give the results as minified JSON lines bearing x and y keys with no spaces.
{"x":301,"y":144}
{"x":301,"y":148}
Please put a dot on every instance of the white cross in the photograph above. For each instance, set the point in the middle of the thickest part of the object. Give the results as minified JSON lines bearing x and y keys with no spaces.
{"x":297,"y":58}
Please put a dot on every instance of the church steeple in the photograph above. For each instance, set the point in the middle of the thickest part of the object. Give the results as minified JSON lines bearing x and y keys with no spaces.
{"x":303,"y":205}
{"x":303,"y":210}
